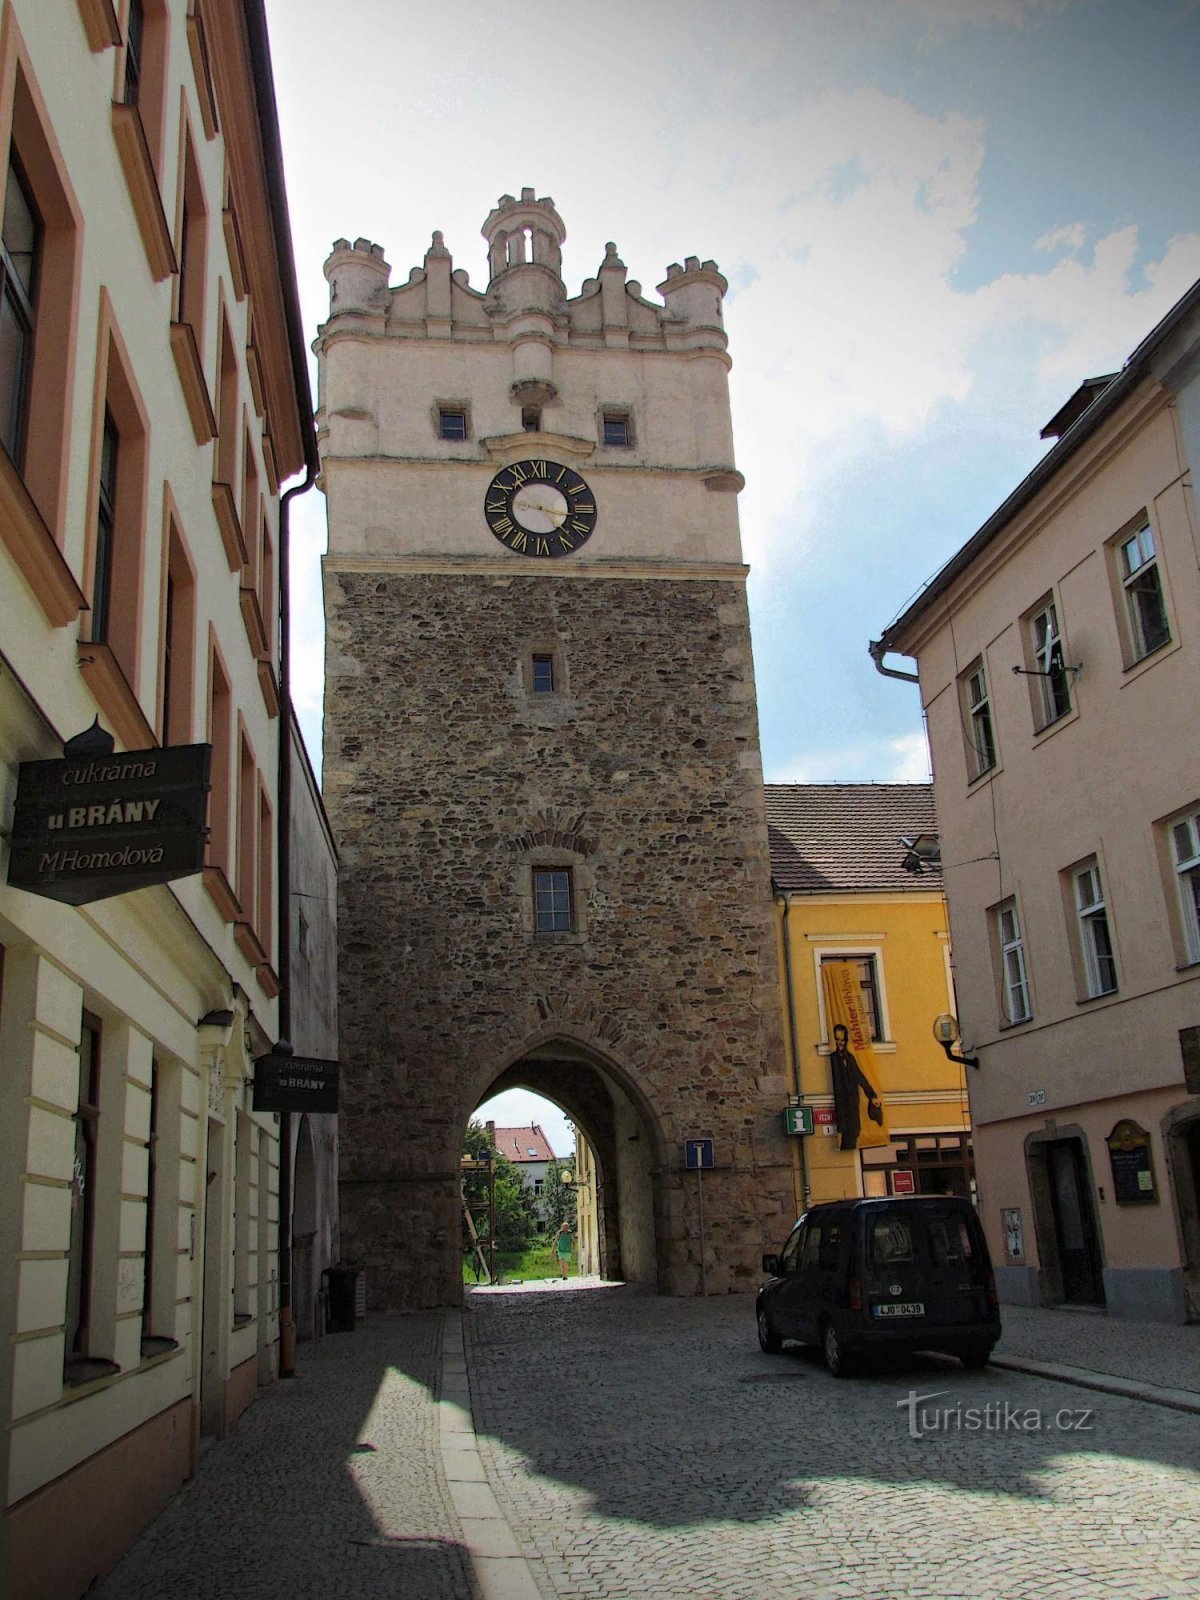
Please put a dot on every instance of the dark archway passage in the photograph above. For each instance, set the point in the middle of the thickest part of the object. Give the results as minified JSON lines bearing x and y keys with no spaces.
{"x":623,"y":1144}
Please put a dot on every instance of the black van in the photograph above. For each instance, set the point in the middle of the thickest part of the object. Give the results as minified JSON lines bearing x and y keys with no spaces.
{"x":857,"y":1276}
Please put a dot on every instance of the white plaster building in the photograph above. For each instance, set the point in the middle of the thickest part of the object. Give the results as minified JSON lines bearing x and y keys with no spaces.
{"x":154,"y":396}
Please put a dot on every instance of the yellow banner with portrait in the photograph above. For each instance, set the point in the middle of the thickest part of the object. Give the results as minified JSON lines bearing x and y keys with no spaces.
{"x":857,"y":1101}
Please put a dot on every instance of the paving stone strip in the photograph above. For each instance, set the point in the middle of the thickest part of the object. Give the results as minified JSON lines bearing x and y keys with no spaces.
{"x":331,"y":1484}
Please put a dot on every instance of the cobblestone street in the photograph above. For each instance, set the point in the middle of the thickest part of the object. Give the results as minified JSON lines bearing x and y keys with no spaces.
{"x":629,"y":1445}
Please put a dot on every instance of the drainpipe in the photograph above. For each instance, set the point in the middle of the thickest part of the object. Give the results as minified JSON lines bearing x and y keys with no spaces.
{"x":799,"y":1152}
{"x":878,"y":650}
{"x":255,"y":16}
{"x":287,"y":1328}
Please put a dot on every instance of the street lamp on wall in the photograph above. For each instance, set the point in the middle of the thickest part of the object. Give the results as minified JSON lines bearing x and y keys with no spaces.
{"x":946,"y":1031}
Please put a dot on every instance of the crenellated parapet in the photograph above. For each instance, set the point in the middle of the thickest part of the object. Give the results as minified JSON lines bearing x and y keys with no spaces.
{"x":526,"y":302}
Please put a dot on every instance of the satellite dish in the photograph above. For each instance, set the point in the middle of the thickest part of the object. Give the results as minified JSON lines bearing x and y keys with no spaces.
{"x":945,"y":1028}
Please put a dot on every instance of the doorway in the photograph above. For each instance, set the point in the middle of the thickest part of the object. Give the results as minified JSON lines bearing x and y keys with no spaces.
{"x":1181,"y":1136}
{"x":1079,"y":1268}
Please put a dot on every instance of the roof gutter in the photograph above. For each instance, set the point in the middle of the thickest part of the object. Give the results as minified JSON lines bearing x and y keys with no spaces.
{"x":1080,"y":431}
{"x":878,"y":650}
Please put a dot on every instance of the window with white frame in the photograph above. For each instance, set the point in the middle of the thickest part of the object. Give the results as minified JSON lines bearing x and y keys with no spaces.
{"x":1095,"y":940}
{"x":1014,"y":978}
{"x":1054,"y":689}
{"x":868,"y":983}
{"x":1142,"y":583}
{"x":1185,"y":857}
{"x":979,"y":720}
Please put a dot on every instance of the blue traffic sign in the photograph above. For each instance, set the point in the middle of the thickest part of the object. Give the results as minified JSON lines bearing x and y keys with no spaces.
{"x":697,"y":1153}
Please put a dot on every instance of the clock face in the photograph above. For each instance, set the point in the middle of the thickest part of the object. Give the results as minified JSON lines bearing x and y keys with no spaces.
{"x":539,"y":508}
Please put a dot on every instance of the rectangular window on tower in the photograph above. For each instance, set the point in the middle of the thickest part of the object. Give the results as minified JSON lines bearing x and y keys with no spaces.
{"x":552,"y":900}
{"x":616,"y":429}
{"x":452,"y":422}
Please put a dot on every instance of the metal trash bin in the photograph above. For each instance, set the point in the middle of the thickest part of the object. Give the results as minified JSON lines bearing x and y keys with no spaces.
{"x":343,"y":1283}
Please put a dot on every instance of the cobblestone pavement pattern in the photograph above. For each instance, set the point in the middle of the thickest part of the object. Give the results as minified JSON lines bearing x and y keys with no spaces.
{"x":644,"y":1447}
{"x":294,"y":1505}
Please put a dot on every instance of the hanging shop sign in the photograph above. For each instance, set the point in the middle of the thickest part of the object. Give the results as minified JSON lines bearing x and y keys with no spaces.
{"x":285,"y":1082}
{"x":93,"y":825}
{"x":1132,"y":1166}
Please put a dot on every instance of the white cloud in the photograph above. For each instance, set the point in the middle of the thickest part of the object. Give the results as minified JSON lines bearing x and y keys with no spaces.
{"x":884,"y":760}
{"x":910,"y":760}
{"x":1071,"y":236}
{"x":1088,"y":314}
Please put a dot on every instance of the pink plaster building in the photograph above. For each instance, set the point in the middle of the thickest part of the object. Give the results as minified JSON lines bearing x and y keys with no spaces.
{"x":1058,"y":654}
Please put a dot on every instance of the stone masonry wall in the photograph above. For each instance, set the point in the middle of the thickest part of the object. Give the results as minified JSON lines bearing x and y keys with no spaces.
{"x":443,"y":774}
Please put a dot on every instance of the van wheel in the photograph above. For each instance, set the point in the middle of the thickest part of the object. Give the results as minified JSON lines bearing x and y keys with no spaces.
{"x":768,"y":1336}
{"x":976,"y":1359}
{"x":834,"y":1352}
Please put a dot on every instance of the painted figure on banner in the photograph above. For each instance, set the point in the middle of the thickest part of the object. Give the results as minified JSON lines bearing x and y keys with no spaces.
{"x":851,"y":1060}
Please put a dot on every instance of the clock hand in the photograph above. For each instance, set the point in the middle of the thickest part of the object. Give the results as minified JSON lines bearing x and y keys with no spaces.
{"x":555,"y":516}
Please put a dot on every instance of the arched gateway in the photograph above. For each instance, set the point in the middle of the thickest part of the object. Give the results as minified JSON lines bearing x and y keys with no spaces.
{"x":541,"y":753}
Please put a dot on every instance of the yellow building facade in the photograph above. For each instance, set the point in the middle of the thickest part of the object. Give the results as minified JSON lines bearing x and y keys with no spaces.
{"x":844,"y":898}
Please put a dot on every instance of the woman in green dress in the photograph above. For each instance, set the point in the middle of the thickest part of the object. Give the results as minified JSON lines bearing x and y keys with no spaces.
{"x":563,"y":1246}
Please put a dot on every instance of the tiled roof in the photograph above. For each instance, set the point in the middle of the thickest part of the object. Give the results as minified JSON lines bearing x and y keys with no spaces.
{"x":844,"y":837}
{"x":524,"y":1144}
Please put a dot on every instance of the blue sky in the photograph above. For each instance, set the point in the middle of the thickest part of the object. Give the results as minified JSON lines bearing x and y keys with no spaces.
{"x":936,"y":217}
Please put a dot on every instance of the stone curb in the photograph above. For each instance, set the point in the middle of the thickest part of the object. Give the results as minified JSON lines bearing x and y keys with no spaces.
{"x":1105,"y":1383}
{"x":501,"y":1571}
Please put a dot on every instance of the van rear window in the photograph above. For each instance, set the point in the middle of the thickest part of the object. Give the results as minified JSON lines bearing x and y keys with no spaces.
{"x":949,"y":1241}
{"x":890,"y":1242}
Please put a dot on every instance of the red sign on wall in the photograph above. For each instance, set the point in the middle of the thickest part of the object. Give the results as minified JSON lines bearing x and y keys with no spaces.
{"x":903,"y":1181}
{"x":823,"y":1116}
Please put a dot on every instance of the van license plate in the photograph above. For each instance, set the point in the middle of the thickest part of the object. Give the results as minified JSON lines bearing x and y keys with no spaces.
{"x":902,"y":1308}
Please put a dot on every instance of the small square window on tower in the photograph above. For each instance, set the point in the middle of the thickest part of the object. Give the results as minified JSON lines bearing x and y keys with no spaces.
{"x":616,"y":428}
{"x":552,"y":899}
{"x":452,"y":422}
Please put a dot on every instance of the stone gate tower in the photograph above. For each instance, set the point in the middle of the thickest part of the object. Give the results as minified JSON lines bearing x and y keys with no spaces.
{"x":541,"y":752}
